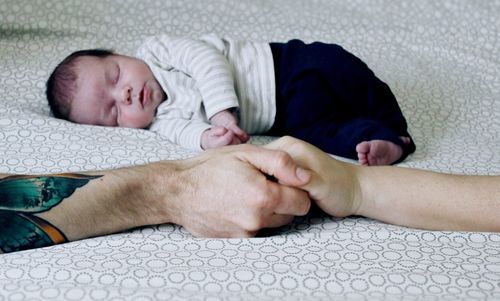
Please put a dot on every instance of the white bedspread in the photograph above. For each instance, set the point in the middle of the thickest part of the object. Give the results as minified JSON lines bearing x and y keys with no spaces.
{"x":441,"y":59}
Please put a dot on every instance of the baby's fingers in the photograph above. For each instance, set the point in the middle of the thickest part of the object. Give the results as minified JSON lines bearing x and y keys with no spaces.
{"x":218,"y":131}
{"x":225,"y":139}
{"x":241,"y":134}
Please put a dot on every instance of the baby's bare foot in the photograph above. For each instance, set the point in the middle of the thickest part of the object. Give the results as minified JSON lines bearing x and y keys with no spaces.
{"x":378,"y":152}
{"x":406,"y":140}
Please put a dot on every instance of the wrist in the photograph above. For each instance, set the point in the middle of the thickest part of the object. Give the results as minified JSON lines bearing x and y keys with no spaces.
{"x":161,"y":190}
{"x":224,"y":117}
{"x":217,"y":115}
{"x":138,"y":196}
{"x":360,"y":183}
{"x":365,"y":193}
{"x":178,"y":190}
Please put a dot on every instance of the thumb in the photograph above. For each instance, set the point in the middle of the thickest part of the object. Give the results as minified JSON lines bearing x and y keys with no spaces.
{"x":278,"y":164}
{"x":218,"y":130}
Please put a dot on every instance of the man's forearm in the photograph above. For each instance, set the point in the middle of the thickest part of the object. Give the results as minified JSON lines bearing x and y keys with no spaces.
{"x":43,"y":210}
{"x":430,"y":200}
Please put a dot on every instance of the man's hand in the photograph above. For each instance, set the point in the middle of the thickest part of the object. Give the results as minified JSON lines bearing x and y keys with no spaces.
{"x":227,"y":192}
{"x":229,"y":120}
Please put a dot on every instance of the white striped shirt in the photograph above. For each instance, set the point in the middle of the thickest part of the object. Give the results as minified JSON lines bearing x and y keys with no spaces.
{"x":202,"y":77}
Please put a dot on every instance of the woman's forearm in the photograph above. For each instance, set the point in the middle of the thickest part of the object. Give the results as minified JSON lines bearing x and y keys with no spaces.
{"x":429,"y":200}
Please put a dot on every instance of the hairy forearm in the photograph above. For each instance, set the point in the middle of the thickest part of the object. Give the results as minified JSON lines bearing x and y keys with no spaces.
{"x":430,"y":200}
{"x":43,"y":210}
{"x":105,"y":205}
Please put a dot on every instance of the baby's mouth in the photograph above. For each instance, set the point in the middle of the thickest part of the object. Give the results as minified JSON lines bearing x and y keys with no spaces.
{"x":144,"y":95}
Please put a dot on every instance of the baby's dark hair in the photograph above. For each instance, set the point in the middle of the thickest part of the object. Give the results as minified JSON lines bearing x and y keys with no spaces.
{"x":61,"y":84}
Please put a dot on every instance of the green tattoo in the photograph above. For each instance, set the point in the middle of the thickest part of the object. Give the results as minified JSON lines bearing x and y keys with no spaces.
{"x":19,"y":232}
{"x":21,"y":197}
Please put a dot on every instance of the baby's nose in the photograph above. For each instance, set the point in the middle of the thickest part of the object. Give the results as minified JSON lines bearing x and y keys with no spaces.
{"x":127,"y":95}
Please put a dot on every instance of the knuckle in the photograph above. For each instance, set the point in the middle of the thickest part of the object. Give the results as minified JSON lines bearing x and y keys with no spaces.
{"x":288,"y":140}
{"x":291,"y":142}
{"x":261,"y":201}
{"x":281,"y":159}
{"x":253,"y":224}
{"x":266,"y":197}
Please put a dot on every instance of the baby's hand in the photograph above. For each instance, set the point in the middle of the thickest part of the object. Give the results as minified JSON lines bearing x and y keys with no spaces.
{"x":218,"y":136}
{"x":229,"y":121}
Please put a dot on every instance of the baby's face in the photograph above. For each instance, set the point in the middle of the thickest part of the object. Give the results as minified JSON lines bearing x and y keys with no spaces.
{"x":115,"y":91}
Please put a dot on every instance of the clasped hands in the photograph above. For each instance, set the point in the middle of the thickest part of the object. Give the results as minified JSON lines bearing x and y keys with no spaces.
{"x":236,"y":197}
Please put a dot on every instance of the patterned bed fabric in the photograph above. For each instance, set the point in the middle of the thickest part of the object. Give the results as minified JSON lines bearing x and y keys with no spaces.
{"x":441,"y":60}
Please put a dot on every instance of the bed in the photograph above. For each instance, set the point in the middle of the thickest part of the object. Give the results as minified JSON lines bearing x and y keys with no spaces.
{"x":441,"y":59}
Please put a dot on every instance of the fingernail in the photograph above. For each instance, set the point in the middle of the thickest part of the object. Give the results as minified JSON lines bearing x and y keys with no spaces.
{"x":302,"y":174}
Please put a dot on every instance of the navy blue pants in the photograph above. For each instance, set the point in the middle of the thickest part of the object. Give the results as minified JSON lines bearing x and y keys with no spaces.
{"x":331,"y":99}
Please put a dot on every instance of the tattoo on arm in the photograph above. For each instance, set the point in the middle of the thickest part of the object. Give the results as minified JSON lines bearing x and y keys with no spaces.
{"x":23,"y":196}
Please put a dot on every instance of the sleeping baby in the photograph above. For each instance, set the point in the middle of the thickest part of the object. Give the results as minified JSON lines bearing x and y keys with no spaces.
{"x":210,"y":92}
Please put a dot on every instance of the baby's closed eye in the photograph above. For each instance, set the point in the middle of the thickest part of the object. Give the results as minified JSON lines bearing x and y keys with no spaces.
{"x":117,"y":74}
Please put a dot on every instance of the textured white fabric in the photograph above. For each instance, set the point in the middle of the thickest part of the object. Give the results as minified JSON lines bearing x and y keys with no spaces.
{"x":441,"y":60}
{"x":204,"y":76}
